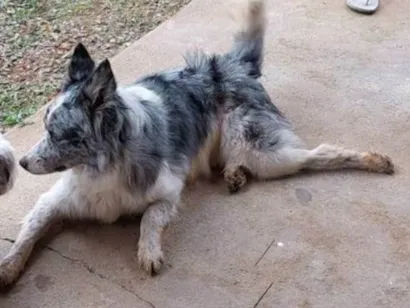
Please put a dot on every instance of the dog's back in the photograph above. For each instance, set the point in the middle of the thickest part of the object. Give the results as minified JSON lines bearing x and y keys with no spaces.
{"x":197,"y":96}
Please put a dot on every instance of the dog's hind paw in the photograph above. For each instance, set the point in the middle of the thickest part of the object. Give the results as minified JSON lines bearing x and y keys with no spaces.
{"x":150,"y":260}
{"x":9,"y":272}
{"x":235,"y":179}
{"x":376,"y":162}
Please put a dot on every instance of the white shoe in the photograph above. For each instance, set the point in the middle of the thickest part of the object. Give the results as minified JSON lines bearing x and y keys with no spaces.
{"x":363,"y":6}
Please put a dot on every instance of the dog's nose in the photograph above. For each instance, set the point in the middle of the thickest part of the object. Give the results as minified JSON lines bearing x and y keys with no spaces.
{"x":24,"y":162}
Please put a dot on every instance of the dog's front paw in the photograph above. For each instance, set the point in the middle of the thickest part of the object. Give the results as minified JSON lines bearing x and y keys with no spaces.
{"x":150,"y":258}
{"x":9,"y":272}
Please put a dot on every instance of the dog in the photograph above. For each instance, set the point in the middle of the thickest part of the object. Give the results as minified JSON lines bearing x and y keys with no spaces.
{"x":128,"y":150}
{"x":8,"y":166}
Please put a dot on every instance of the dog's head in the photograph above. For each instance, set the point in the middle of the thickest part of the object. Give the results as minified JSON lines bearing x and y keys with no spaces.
{"x":73,"y":121}
{"x":7,"y":166}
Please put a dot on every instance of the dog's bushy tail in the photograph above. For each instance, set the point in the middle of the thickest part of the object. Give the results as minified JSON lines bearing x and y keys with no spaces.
{"x":249,"y":41}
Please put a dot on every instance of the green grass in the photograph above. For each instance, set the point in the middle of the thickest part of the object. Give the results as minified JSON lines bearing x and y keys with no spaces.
{"x":23,"y":10}
{"x":18,"y":101}
{"x":30,"y":70}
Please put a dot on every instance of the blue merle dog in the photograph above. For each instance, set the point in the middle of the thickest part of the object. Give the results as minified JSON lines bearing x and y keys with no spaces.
{"x":132,"y":149}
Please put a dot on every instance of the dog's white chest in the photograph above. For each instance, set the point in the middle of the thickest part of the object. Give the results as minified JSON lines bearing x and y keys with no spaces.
{"x":104,"y":198}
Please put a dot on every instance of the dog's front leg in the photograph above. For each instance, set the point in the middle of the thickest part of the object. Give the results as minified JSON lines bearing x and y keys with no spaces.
{"x":51,"y":207}
{"x":153,"y":223}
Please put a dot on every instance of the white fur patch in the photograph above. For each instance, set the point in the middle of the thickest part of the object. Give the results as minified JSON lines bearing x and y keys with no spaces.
{"x":7,"y":152}
{"x":168,"y":186}
{"x":132,"y":96}
{"x":58,"y":100}
{"x":144,"y":94}
{"x":106,"y":198}
{"x":5,"y":146}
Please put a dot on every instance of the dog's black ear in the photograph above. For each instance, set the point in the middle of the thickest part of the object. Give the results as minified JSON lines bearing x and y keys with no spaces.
{"x":81,"y":65}
{"x":101,"y":85}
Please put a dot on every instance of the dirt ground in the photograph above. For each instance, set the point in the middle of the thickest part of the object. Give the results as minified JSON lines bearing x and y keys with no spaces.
{"x":37,"y":37}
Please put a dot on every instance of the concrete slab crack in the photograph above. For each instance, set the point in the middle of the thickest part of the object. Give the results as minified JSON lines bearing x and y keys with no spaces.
{"x":6,"y":239}
{"x":262,"y":296}
{"x":264,"y":253}
{"x":90,"y":269}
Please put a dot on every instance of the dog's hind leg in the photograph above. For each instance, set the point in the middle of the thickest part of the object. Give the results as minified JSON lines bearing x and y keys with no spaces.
{"x":258,"y":143}
{"x":330,"y":157}
{"x":287,"y":161}
{"x":263,"y":165}
{"x":267,"y":149}
{"x":51,"y":207}
{"x":153,"y":224}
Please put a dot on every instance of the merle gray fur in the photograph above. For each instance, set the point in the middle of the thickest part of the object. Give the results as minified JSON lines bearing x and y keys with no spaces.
{"x":131,"y":150}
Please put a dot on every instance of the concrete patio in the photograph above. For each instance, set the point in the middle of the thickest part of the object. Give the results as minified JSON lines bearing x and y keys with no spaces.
{"x":323,"y":241}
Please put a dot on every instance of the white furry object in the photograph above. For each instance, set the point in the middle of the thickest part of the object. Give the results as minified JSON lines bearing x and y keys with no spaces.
{"x":8,"y":168}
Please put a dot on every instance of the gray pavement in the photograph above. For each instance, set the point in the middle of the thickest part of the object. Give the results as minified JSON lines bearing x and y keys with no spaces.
{"x":324,"y":240}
